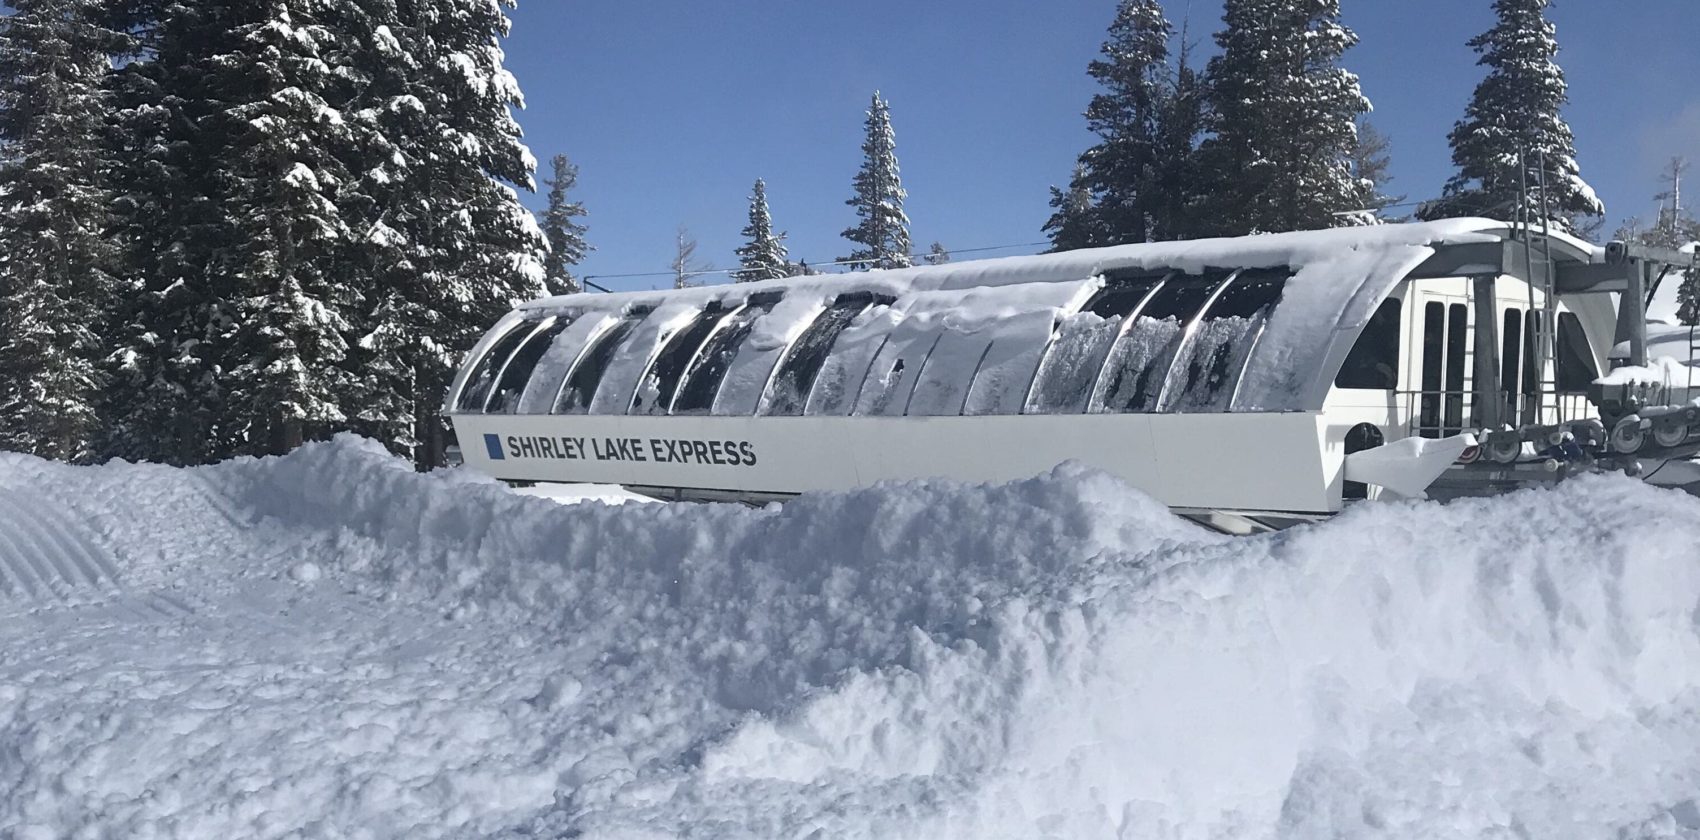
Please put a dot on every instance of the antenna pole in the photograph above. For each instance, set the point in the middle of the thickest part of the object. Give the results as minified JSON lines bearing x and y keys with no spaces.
{"x":1549,"y":289}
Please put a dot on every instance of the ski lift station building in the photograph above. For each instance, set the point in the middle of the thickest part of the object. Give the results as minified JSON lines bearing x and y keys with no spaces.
{"x":1228,"y":377}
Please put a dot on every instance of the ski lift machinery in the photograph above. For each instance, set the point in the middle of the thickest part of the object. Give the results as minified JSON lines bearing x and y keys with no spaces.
{"x":1250,"y":384}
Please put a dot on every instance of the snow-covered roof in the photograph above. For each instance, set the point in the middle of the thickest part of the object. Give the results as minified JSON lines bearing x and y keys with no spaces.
{"x":1294,"y":250}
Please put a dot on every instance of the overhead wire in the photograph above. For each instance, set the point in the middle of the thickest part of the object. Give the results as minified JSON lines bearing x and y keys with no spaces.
{"x":919,"y":255}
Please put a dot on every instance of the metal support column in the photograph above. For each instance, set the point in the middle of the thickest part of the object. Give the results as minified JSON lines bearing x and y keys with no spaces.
{"x":1487,"y":408}
{"x":1635,"y":303}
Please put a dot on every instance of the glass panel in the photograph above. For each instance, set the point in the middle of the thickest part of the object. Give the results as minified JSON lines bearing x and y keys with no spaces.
{"x":1214,"y":356}
{"x":550,"y":375}
{"x":789,"y":393}
{"x":1373,"y":363}
{"x":655,"y":390}
{"x":1510,"y":356}
{"x":1457,"y":344}
{"x":942,"y":387}
{"x":508,"y":391}
{"x":1082,"y":343}
{"x":587,"y":376}
{"x":1434,"y":356}
{"x":1139,"y":364}
{"x":1576,"y":367}
{"x":476,"y":391}
{"x":751,"y":371}
{"x":702,"y":379}
{"x":891,"y":379}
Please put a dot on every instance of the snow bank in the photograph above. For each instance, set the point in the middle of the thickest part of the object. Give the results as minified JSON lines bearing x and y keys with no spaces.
{"x":329,"y":645}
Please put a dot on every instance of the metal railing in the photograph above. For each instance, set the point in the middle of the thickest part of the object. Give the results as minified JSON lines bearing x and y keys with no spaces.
{"x":1444,"y":413}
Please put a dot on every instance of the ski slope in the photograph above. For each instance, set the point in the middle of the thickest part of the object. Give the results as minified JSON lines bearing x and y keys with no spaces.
{"x":331,"y":646}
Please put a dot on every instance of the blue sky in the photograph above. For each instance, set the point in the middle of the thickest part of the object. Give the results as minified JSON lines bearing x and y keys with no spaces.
{"x":673,"y":108}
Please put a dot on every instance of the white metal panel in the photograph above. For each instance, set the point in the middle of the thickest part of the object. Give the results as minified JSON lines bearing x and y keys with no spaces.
{"x":1248,"y":462}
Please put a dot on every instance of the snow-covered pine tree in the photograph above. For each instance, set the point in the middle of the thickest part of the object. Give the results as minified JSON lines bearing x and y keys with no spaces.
{"x":1372,"y":162}
{"x":937,"y":254}
{"x":426,"y":242}
{"x":1516,"y":117}
{"x":882,"y":228}
{"x":562,"y":229}
{"x":448,"y":245}
{"x":55,"y":278}
{"x":762,"y":256}
{"x":1120,"y":170}
{"x":1284,"y":120}
{"x":1073,"y":224}
{"x":170,"y":327}
{"x":234,"y":210}
{"x":1181,"y":120}
{"x":288,"y":241}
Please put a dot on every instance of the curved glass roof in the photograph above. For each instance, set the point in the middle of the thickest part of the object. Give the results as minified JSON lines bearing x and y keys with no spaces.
{"x":1242,"y":324}
{"x":1131,"y":342}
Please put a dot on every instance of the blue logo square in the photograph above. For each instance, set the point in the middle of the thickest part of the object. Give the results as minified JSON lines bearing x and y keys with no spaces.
{"x":493,"y":445}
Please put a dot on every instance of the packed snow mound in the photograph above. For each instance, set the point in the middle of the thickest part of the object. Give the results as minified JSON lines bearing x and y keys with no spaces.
{"x":329,"y":645}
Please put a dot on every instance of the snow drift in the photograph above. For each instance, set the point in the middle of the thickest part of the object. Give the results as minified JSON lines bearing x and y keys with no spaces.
{"x":328,"y":645}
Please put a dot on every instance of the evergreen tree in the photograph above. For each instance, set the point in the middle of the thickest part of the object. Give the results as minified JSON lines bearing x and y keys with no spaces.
{"x":320,"y":220}
{"x":1512,"y":124}
{"x":288,"y":256}
{"x":1139,"y":182}
{"x":1688,"y":294}
{"x":1120,"y":170}
{"x":171,"y":327}
{"x":937,"y":255}
{"x":1372,"y":162}
{"x":1181,"y":120}
{"x":1074,"y":224}
{"x":54,"y":211}
{"x":235,"y":341}
{"x":562,"y":229}
{"x":762,"y":256}
{"x":1284,"y":115}
{"x":883,"y":228}
{"x":448,"y":248}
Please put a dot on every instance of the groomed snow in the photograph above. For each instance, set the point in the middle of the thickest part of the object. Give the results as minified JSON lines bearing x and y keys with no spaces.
{"x":329,"y":645}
